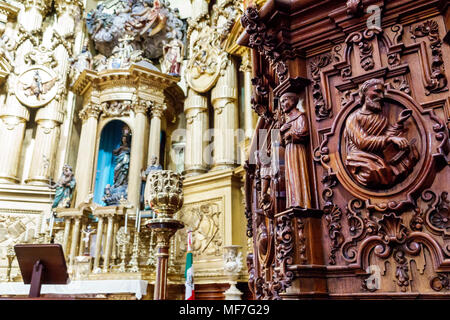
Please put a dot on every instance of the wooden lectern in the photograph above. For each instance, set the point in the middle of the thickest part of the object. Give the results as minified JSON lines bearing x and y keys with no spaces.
{"x":41,"y":264}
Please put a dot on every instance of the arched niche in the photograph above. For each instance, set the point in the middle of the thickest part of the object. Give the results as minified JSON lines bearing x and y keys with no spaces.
{"x":110,"y":140}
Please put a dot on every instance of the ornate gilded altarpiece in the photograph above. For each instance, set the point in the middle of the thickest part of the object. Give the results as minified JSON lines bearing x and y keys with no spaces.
{"x":371,"y":155}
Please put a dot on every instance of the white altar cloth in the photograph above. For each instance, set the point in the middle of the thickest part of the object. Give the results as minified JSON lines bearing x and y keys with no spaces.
{"x":138,"y":287}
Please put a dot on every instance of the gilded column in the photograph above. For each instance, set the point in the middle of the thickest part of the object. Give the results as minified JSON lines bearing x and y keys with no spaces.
{"x":249,"y":115}
{"x":50,"y":118}
{"x":108,"y":245}
{"x":137,"y":151}
{"x":195,"y":155}
{"x":46,"y":141}
{"x":224,"y":100}
{"x":85,"y":160}
{"x":12,"y":131}
{"x":154,"y":143}
{"x":67,"y":225}
{"x":13,"y":115}
{"x":75,"y":239}
{"x":98,"y":243}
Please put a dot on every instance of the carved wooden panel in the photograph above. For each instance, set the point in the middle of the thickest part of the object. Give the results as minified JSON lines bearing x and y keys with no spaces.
{"x":376,"y":100}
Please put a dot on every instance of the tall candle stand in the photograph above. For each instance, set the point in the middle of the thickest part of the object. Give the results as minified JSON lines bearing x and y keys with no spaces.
{"x":165,"y":195}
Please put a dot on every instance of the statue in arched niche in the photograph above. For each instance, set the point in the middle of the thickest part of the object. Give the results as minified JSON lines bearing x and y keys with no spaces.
{"x":378,"y":154}
{"x":113,"y":194}
{"x":294,"y":134}
{"x":122,"y":159}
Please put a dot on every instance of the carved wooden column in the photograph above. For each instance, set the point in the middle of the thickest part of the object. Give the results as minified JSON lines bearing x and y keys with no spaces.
{"x":196,"y":110}
{"x":136,"y":154}
{"x":224,"y":100}
{"x":85,"y":160}
{"x":154,"y":143}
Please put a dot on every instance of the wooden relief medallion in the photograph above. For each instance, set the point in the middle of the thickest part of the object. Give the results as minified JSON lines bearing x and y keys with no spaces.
{"x":383,"y":146}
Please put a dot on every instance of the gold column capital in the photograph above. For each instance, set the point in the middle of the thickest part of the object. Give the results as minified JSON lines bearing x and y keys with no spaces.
{"x":72,"y":7}
{"x":158,"y":110}
{"x":41,"y":5}
{"x":90,"y":111}
{"x":141,"y":106}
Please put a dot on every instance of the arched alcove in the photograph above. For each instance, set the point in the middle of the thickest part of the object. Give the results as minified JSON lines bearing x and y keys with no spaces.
{"x":111,"y":140}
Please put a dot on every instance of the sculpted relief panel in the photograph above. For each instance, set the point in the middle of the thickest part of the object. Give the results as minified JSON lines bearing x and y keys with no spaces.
{"x":371,"y":140}
{"x":205,"y":220}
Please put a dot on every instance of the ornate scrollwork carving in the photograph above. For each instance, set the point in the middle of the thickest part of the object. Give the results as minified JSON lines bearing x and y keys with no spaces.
{"x":363,"y":40}
{"x":264,"y":41}
{"x":437,"y":215}
{"x":284,"y":256}
{"x":438,"y":80}
{"x":323,"y":111}
{"x":440,"y":282}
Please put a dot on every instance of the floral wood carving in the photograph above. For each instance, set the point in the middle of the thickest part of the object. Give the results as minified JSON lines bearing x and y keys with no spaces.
{"x":438,"y":80}
{"x":364,"y":42}
{"x":437,"y":215}
{"x":323,"y":111}
{"x":440,"y":282}
{"x":265,"y":41}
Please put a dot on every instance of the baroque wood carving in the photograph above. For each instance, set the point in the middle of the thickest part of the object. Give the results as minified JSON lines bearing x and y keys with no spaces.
{"x":347,"y":180}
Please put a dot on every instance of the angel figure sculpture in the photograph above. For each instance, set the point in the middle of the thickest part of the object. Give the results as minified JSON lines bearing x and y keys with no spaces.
{"x":38,"y":88}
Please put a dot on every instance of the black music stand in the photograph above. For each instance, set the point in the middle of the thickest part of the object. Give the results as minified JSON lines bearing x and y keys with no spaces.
{"x":41,"y":264}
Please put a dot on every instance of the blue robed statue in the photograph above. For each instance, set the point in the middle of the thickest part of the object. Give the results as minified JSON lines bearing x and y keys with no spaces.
{"x":64,"y":188}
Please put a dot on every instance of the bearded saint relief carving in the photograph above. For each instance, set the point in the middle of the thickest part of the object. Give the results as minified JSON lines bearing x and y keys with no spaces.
{"x":378,"y":153}
{"x":294,"y":133}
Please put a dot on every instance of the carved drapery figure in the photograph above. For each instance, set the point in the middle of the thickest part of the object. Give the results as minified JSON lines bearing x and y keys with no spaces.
{"x":265,"y":172}
{"x":377,"y":154}
{"x":122,"y":160}
{"x":113,"y":194}
{"x":64,"y":188}
{"x":81,"y":61}
{"x":294,"y":133}
{"x":173,"y":56}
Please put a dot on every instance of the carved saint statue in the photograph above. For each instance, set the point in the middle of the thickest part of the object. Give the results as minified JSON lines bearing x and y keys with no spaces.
{"x":173,"y":56}
{"x":81,"y":61}
{"x":377,"y":153}
{"x":294,"y":134}
{"x":113,"y":194}
{"x":122,"y":160}
{"x":265,"y":173}
{"x":64,"y":188}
